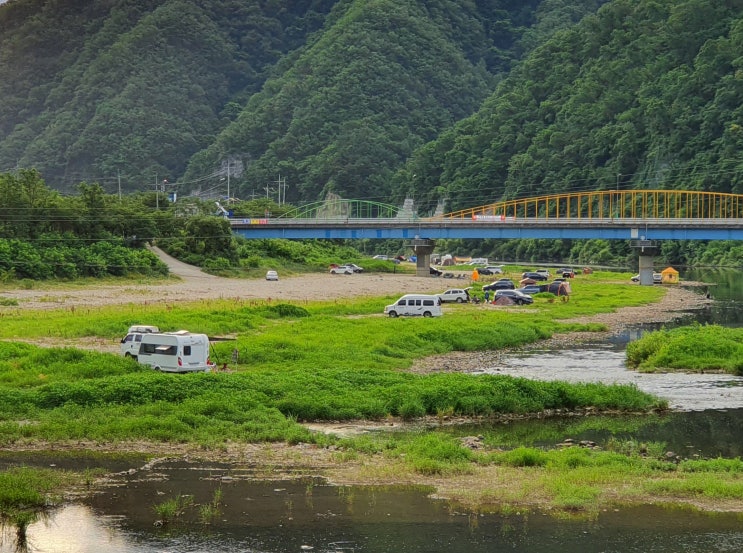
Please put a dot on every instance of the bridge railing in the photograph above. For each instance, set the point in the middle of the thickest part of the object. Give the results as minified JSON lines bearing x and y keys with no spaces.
{"x":609,"y":204}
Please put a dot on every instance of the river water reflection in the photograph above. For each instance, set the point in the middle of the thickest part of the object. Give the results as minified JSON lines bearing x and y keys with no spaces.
{"x":300,"y":516}
{"x":289,"y":516}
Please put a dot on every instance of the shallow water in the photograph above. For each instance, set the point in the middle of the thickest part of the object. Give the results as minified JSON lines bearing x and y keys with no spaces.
{"x":606,"y":363}
{"x":264,"y":517}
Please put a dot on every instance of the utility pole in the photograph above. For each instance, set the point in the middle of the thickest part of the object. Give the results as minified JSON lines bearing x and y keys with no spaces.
{"x":281,"y":186}
{"x":118,"y":174}
{"x":157,"y":195}
{"x":229,"y":198}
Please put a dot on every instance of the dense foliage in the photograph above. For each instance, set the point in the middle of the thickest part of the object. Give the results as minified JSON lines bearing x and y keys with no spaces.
{"x":331,"y":94}
{"x":452,"y":102}
{"x":643,"y":94}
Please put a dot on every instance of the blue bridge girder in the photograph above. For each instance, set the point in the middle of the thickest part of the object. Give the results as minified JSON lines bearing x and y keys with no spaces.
{"x":514,"y":228}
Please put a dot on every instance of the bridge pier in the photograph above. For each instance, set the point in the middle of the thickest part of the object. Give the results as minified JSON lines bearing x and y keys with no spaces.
{"x":647,"y":250}
{"x":423,"y":249}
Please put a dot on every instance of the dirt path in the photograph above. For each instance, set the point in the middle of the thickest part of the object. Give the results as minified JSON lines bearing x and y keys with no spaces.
{"x":189,"y":283}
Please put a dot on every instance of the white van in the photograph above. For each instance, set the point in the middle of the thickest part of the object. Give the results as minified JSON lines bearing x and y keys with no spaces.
{"x":130,"y":342}
{"x":176,"y":352}
{"x":415,"y":304}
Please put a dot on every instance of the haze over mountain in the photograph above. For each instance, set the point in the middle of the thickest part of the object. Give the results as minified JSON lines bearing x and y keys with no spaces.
{"x":380,"y":99}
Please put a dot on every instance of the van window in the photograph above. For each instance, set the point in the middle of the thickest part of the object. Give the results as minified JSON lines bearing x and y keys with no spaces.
{"x":402,"y":302}
{"x":427,"y":302}
{"x":160,"y":349}
{"x":186,"y":350}
{"x":417,"y":302}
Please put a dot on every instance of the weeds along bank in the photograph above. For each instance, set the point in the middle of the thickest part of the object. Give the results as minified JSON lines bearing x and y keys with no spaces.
{"x":340,"y":361}
{"x":337,"y":360}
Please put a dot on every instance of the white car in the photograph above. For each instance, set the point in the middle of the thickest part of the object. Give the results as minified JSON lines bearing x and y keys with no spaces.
{"x":657,"y":278}
{"x":272,"y":275}
{"x":341,"y":270}
{"x":455,"y":295}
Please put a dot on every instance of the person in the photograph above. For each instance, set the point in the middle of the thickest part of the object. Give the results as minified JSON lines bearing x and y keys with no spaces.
{"x":487,"y":296}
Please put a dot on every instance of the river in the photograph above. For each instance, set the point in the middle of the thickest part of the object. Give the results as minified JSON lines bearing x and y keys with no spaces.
{"x":259,"y":516}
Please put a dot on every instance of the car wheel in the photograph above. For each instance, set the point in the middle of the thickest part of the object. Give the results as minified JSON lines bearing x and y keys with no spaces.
{"x":427,"y":314}
{"x":393,"y":314}
{"x":460,"y":300}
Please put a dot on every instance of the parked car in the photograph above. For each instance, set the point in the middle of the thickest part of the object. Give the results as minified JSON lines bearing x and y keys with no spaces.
{"x":434,"y":271}
{"x":502,"y":284}
{"x":544,"y":272}
{"x":566,"y":272}
{"x":491,"y":270}
{"x":354,"y":268}
{"x":341,"y":270}
{"x":534,"y":275}
{"x":518,"y":297}
{"x":411,"y":305}
{"x":532,"y":288}
{"x":657,"y":278}
{"x":381,"y":257}
{"x":272,"y":275}
{"x":455,"y":295}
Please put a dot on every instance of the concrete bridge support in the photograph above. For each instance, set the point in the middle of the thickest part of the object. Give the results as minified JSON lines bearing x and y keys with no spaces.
{"x":423,"y":249}
{"x":647,"y":250}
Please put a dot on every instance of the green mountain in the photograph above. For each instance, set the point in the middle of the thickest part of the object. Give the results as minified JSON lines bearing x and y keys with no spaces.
{"x":643,"y":94}
{"x":332,"y":96}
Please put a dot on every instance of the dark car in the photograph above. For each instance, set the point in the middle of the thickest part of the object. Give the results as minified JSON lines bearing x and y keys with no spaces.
{"x":491,"y":270}
{"x":502,"y":284}
{"x":533,"y":288}
{"x":566,"y":272}
{"x":534,"y":275}
{"x":518,"y":297}
{"x":434,"y":271}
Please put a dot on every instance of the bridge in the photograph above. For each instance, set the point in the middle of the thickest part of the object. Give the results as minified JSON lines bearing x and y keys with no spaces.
{"x":644,"y":217}
{"x":607,"y":214}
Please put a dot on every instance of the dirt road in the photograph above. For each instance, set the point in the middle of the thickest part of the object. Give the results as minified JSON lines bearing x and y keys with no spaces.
{"x":189,"y":283}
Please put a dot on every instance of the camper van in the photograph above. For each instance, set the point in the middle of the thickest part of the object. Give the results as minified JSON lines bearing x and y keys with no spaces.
{"x":415,"y":304}
{"x":176,"y":352}
{"x":130,"y":343}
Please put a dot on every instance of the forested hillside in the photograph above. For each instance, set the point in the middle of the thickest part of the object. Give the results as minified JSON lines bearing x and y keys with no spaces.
{"x":332,"y":95}
{"x":643,"y":94}
{"x":108,"y":88}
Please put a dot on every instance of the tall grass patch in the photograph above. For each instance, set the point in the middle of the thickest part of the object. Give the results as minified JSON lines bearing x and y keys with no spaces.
{"x":696,"y":348}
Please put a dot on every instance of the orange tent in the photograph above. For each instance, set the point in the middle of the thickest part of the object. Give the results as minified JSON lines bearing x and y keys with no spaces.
{"x":669,"y":275}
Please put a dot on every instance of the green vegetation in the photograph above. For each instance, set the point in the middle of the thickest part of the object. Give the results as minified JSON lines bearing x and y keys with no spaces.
{"x":171,"y":509}
{"x":571,"y":481}
{"x":27,"y":493}
{"x":287,"y":369}
{"x":288,"y":373}
{"x":696,"y":348}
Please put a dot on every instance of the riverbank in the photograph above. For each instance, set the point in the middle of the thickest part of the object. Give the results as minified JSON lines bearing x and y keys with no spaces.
{"x":349,"y":462}
{"x":676,"y":301}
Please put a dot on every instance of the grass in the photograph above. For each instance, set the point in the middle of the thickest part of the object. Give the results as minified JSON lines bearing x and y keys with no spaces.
{"x":694,"y":348}
{"x":289,"y":371}
{"x":572,"y":481}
